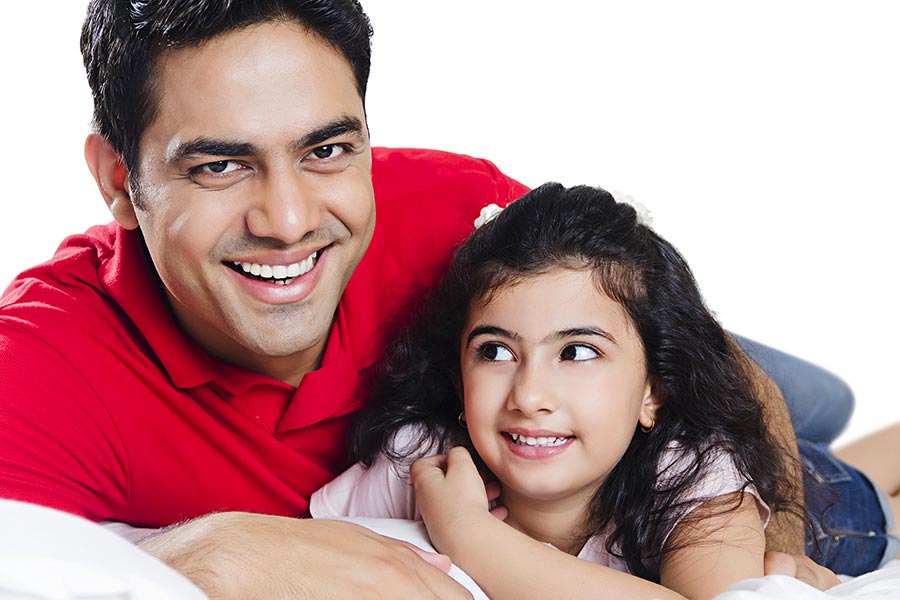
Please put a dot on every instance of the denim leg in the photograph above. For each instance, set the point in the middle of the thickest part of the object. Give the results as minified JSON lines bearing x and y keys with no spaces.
{"x":820,"y":403}
{"x":851,"y":525}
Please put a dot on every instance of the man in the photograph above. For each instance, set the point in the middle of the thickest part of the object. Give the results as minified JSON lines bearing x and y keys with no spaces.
{"x":198,"y":361}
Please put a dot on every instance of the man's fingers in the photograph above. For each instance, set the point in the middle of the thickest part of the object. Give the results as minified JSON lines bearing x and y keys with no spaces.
{"x":814,"y":574}
{"x":441,"y":561}
{"x":436,"y":580}
{"x":779,"y":563}
{"x":802,"y":568}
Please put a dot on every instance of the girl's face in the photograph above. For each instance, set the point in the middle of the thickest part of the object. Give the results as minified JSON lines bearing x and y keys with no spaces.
{"x":554,"y":383}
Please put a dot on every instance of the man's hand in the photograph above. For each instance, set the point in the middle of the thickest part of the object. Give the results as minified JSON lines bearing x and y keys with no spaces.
{"x":244,"y":555}
{"x":802,"y":568}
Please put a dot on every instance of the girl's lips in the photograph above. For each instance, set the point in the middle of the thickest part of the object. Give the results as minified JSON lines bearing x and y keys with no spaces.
{"x":537,"y":447}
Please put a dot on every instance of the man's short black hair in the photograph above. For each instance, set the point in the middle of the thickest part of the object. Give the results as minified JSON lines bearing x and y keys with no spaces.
{"x":121,"y":40}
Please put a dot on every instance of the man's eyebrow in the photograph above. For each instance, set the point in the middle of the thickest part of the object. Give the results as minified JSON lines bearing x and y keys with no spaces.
{"x":580,"y":331}
{"x":203,"y":146}
{"x":490,"y":330}
{"x":211,"y":147}
{"x":340,"y":126}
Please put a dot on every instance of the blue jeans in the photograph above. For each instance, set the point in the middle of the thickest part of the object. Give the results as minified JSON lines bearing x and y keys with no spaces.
{"x":852,"y":527}
{"x":820,"y":403}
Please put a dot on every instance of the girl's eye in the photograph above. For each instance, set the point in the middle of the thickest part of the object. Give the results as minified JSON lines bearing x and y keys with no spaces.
{"x":578,"y":352}
{"x":495,"y":352}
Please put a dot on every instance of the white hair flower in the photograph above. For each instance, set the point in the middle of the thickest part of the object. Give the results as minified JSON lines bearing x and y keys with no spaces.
{"x":643,"y":213}
{"x":487,"y":213}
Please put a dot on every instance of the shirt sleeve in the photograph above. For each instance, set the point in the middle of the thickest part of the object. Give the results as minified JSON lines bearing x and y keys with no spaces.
{"x":59,"y":446}
{"x":720,"y":477}
{"x":383,"y":490}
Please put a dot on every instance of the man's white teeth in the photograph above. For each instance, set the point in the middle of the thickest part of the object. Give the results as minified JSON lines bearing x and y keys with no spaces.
{"x":537,"y":441}
{"x":280,"y":272}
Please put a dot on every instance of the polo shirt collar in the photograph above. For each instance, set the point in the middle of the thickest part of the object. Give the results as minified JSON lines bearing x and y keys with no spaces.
{"x":332,"y":390}
{"x":130,"y":279}
{"x":328,"y":392}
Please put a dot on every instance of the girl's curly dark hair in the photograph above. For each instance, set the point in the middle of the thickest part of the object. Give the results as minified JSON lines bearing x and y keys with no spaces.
{"x":710,"y":403}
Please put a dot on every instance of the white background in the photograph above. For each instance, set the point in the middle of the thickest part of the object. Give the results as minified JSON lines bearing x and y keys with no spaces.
{"x":764,"y":137}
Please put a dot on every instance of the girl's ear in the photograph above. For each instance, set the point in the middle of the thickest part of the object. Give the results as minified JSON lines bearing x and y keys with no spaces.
{"x":654,"y":397}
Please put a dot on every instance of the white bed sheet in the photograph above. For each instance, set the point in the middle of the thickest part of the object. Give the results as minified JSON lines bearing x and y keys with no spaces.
{"x":883,"y":584}
{"x":46,"y":554}
{"x":49,"y":555}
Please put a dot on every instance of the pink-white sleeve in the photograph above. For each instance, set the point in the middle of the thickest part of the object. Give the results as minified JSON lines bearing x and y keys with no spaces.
{"x":384,"y":490}
{"x":720,"y":478}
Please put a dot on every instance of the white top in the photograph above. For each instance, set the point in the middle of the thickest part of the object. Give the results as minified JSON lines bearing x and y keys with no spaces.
{"x":385,"y":491}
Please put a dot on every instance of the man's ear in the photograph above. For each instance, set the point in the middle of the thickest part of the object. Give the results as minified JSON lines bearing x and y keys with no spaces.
{"x":109,"y":172}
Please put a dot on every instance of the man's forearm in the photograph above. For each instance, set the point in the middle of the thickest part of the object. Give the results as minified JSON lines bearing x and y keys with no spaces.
{"x":181,"y":547}
{"x":243,"y":555}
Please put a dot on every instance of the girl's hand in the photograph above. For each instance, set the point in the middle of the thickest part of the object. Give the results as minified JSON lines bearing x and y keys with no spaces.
{"x":451,"y":496}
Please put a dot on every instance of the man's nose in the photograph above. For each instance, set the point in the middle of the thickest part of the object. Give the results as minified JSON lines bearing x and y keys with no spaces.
{"x":286,"y":207}
{"x":532,"y":391}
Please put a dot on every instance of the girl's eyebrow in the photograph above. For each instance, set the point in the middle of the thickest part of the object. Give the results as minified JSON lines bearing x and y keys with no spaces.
{"x":555,"y":336}
{"x":490,"y":330}
{"x":579,"y":331}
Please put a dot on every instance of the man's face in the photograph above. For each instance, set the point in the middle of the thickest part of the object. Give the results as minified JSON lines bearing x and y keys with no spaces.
{"x":256,"y":194}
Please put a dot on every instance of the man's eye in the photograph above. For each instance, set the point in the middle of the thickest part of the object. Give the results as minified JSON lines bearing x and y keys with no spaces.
{"x":495,"y":352}
{"x":578,"y":352}
{"x":328,"y":151}
{"x":220,"y":167}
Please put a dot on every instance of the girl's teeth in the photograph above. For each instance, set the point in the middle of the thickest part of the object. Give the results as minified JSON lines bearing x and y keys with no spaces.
{"x":537,"y":441}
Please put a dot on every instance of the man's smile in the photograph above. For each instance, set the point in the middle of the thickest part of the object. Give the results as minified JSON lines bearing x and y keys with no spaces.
{"x":277,"y":274}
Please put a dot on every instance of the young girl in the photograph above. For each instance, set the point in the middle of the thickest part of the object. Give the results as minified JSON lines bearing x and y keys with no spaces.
{"x":569,"y":352}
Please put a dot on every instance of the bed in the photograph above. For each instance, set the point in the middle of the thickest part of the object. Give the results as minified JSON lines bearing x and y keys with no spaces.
{"x":50,"y":555}
{"x":883,"y":584}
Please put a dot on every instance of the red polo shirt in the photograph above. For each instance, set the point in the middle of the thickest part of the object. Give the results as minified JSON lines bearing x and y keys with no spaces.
{"x":108,"y":410}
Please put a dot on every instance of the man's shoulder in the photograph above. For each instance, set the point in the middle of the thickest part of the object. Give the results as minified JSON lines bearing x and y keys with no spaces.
{"x":76,"y":267}
{"x":66,"y":298}
{"x":431,"y":177}
{"x":432,"y":198}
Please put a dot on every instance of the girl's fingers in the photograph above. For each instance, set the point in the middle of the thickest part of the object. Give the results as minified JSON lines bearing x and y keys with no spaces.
{"x":429,"y":463}
{"x":492,"y":489}
{"x":459,"y":456}
{"x":500,"y":512}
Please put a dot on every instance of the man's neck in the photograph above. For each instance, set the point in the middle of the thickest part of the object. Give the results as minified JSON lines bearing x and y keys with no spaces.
{"x":290,"y":368}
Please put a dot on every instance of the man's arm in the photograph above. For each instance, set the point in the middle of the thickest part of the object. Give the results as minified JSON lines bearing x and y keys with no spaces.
{"x":245,"y":555}
{"x":785,"y":532}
